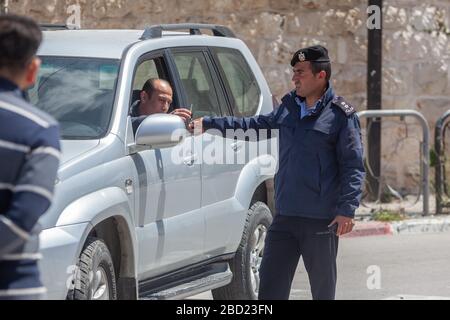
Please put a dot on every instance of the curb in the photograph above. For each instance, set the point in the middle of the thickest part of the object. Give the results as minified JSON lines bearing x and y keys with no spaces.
{"x":413,"y":226}
{"x":425,"y":225}
{"x":371,"y":228}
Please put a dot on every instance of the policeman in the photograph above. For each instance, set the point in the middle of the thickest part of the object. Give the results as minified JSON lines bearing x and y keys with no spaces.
{"x":319,"y":182}
{"x":29,"y":158}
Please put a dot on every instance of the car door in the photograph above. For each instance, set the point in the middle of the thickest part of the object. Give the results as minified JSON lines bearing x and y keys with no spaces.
{"x":220,"y":166}
{"x":244,"y":97}
{"x":170,"y":223}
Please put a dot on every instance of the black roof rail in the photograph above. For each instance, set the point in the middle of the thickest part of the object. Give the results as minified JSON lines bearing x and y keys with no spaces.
{"x":53,"y":27}
{"x":155,"y":31}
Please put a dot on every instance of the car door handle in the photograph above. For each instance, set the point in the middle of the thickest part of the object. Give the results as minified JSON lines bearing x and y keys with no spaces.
{"x":236,"y":146}
{"x":189,"y":161}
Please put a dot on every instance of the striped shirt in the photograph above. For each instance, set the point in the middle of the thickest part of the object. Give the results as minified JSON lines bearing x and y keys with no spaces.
{"x":29,"y":159}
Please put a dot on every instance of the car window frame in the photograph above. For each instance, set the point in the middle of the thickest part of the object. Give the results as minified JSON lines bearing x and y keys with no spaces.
{"x":221,"y":72}
{"x":216,"y":84}
{"x":167,"y":71}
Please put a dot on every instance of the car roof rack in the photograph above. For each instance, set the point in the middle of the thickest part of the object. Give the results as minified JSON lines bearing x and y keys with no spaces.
{"x":155,"y":31}
{"x":53,"y":27}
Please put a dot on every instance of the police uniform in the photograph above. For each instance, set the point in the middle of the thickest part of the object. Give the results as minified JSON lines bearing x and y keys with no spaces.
{"x":320,"y":176}
{"x":29,"y":159}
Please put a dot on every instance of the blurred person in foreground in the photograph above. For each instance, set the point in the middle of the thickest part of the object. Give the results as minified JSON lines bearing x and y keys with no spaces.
{"x":29,"y":159}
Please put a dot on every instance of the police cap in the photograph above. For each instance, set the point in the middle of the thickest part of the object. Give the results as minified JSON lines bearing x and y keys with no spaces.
{"x":313,"y":54}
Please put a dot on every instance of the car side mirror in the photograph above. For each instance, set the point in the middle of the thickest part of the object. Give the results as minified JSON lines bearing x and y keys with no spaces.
{"x":160,"y":131}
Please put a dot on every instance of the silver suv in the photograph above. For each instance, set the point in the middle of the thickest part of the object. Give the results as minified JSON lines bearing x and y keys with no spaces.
{"x":144,"y":216}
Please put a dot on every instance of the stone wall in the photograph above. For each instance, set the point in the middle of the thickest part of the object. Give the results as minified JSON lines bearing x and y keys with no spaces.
{"x":416,"y":49}
{"x":415,"y":76}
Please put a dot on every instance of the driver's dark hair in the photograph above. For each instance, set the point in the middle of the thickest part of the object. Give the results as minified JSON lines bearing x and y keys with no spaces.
{"x":20,"y":38}
{"x":149,"y":85}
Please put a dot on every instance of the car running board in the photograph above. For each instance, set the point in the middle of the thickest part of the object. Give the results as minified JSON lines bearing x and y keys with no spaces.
{"x":218,"y":276}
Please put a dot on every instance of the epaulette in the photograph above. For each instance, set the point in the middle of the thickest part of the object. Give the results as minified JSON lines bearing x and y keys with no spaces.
{"x":344,"y":106}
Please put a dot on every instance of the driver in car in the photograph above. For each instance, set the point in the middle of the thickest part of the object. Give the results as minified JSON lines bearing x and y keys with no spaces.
{"x":155,"y":97}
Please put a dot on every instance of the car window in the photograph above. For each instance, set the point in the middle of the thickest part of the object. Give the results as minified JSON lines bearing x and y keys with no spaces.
{"x":152,"y":68}
{"x":78,"y":93}
{"x":240,"y":80}
{"x":145,"y":71}
{"x":198,"y":84}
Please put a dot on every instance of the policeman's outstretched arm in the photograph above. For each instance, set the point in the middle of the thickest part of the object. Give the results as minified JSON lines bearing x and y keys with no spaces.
{"x":260,"y":122}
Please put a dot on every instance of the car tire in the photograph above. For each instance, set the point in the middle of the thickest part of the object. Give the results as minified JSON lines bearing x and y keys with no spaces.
{"x":245,"y":264}
{"x":95,"y":277}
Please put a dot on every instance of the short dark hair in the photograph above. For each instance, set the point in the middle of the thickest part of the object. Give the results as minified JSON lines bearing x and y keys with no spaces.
{"x":149,"y":85}
{"x":20,"y":38}
{"x":316,"y":67}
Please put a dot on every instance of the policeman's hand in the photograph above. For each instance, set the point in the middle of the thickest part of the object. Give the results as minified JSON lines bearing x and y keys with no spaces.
{"x":184,"y":114}
{"x":345,"y":225}
{"x":196,"y":126}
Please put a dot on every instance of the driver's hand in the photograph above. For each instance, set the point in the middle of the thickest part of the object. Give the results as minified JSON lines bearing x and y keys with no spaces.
{"x":196,"y":126}
{"x":185,"y":114}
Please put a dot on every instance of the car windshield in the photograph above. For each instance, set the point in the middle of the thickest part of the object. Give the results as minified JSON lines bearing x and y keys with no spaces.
{"x":78,"y":93}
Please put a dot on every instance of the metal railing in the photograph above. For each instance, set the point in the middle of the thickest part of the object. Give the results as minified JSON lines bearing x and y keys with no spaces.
{"x":442,"y":198}
{"x":3,"y":6}
{"x":425,"y":183}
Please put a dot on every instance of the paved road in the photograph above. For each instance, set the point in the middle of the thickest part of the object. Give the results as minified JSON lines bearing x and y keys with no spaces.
{"x":409,"y":267}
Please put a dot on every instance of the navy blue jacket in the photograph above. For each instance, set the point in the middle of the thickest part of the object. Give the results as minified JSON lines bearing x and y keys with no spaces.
{"x":321,"y":170}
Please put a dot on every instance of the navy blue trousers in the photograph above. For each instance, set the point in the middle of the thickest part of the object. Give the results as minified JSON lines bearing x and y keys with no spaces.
{"x":288,"y":239}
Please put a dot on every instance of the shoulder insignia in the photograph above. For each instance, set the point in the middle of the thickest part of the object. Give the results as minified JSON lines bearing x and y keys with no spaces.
{"x":344,"y":106}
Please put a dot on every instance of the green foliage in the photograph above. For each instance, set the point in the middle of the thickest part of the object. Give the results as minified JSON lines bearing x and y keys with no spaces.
{"x":387,"y":216}
{"x":433,"y":158}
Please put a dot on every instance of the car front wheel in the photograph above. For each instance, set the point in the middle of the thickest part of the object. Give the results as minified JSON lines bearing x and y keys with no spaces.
{"x":95,"y":277}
